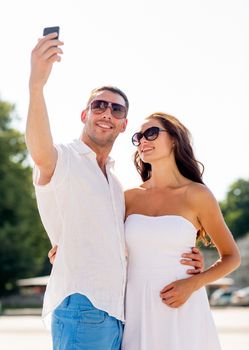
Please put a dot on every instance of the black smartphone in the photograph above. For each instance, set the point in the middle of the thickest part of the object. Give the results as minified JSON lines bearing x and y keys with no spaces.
{"x":49,"y":30}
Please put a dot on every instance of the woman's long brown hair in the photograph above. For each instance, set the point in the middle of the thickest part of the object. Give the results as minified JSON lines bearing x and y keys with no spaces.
{"x":186,"y":163}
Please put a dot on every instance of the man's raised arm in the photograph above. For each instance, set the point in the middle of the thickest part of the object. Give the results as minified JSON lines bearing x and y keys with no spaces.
{"x":38,"y":135}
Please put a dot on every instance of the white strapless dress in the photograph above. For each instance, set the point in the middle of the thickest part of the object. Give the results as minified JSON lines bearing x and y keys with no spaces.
{"x":155,"y":245}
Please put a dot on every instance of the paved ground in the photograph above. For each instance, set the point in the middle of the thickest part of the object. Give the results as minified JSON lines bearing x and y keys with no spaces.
{"x":28,"y":333}
{"x":233,"y":327}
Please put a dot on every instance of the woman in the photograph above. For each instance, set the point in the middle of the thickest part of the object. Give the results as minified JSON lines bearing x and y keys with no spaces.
{"x":163,"y":218}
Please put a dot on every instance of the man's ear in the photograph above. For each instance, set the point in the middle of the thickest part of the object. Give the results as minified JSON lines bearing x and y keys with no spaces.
{"x":84,"y":116}
{"x":124,"y":125}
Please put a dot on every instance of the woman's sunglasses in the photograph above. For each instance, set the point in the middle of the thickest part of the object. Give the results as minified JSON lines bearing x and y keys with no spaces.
{"x":99,"y":106}
{"x":149,"y":134}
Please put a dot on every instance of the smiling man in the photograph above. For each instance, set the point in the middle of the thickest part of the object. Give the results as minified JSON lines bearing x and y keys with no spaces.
{"x":81,"y":204}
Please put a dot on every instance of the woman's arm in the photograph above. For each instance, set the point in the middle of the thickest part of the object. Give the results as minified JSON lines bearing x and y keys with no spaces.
{"x":210,"y":217}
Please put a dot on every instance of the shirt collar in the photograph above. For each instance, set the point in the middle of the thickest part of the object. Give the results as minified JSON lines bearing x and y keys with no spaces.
{"x":80,"y":147}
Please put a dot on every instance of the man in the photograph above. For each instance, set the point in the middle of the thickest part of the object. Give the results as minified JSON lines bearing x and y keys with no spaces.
{"x":81,"y":204}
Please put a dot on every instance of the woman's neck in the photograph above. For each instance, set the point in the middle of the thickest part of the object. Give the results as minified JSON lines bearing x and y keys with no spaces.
{"x":166,"y":175}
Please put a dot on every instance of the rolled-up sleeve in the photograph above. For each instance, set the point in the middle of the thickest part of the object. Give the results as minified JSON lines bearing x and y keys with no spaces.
{"x":49,"y":195}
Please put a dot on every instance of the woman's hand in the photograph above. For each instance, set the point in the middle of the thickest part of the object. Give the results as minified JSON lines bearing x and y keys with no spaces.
{"x":177,"y":293}
{"x":52,"y":254}
{"x":195,"y":259}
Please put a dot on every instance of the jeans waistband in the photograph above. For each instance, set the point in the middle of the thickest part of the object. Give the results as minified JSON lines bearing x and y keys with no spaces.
{"x":76,"y":300}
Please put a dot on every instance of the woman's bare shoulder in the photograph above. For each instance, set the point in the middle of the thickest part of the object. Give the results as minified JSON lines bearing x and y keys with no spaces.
{"x":131,"y":192}
{"x":132,"y":196}
{"x":195,"y":188}
{"x":199,"y":195}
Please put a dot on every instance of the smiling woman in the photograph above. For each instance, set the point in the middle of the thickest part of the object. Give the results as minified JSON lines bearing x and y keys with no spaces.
{"x":179,"y":138}
{"x":164,"y":217}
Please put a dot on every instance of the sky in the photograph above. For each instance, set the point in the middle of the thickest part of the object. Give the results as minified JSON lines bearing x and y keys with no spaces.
{"x":186,"y":58}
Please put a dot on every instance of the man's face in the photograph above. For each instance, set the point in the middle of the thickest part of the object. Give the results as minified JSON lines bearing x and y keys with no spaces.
{"x":102,"y":129}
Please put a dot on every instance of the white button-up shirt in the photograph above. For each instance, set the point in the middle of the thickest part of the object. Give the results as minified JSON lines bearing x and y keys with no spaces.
{"x":83,"y":214}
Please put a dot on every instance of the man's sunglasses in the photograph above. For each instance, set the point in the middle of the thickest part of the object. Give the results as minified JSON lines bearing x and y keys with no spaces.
{"x":99,"y":106}
{"x":149,"y":134}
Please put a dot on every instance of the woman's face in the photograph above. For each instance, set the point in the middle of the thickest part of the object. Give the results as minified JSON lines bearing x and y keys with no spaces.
{"x":158,"y":149}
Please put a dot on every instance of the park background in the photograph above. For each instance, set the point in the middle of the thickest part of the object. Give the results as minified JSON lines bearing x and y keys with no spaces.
{"x":187,"y":58}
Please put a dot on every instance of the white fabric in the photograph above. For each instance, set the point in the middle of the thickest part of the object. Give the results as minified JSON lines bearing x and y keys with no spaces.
{"x":155,"y":245}
{"x":83,"y":214}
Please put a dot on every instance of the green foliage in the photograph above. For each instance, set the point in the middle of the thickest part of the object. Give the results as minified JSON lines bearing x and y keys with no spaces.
{"x":23,"y":242}
{"x":235,"y":208}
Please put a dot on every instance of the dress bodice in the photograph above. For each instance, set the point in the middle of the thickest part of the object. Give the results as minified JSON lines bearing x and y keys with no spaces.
{"x":157,"y":242}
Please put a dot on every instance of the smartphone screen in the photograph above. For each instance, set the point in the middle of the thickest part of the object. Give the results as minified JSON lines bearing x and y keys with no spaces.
{"x":49,"y":30}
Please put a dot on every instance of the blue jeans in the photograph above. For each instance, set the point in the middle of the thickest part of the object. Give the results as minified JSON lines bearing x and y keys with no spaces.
{"x":78,"y":325}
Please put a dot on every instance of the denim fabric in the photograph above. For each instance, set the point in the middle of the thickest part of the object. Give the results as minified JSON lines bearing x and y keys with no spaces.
{"x":78,"y":325}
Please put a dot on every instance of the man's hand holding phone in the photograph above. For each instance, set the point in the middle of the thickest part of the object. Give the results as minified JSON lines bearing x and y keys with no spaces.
{"x":45,"y":53}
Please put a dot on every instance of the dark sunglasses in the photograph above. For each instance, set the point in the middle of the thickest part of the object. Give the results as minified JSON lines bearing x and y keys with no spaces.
{"x":99,"y":106}
{"x":149,"y":134}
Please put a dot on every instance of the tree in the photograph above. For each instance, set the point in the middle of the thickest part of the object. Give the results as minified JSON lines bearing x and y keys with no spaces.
{"x":235,"y":208}
{"x":23,"y":242}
